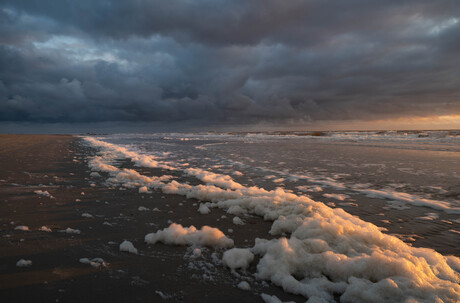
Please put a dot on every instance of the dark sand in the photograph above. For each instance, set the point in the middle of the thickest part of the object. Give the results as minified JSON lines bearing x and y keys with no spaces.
{"x":57,"y":164}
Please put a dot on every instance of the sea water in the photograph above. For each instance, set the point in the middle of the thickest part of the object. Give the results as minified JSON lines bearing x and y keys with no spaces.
{"x":400,"y":185}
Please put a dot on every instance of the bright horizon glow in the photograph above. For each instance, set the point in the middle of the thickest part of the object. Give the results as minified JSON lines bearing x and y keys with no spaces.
{"x":435,"y":122}
{"x":408,"y":123}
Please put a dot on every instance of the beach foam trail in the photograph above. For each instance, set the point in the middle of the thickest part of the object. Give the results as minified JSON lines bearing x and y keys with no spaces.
{"x":321,"y":252}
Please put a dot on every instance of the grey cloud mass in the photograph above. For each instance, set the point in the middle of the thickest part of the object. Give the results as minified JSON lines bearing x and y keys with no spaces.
{"x":228,"y":62}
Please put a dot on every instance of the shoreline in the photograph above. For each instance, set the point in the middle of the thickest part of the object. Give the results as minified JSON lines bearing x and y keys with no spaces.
{"x":105,"y":217}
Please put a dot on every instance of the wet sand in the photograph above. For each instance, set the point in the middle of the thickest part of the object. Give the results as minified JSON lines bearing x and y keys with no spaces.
{"x":159,"y":273}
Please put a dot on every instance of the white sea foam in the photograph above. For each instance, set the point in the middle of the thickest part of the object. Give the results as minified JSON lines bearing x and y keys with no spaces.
{"x":274,"y":299}
{"x":409,"y":199}
{"x":278,"y":180}
{"x":429,"y":216}
{"x":243,"y":285}
{"x":327,"y":252}
{"x":22,"y":227}
{"x":45,"y":229}
{"x":128,"y":246}
{"x":341,"y":197}
{"x":178,"y":235}
{"x":396,"y":199}
{"x":203,"y":209}
{"x":43,"y":193}
{"x":69,"y":230}
{"x":212,"y":178}
{"x":238,"y":258}
{"x":238,"y":221}
{"x":305,"y":188}
{"x":24,"y":263}
{"x":144,"y":190}
{"x":99,"y":163}
{"x":95,"y":262}
{"x":163,"y":295}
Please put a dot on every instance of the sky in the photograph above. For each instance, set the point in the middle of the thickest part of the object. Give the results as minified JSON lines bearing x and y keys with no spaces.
{"x":229,"y":64}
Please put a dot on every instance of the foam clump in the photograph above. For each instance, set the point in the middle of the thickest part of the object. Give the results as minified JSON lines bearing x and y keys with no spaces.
{"x":208,"y":177}
{"x":313,"y":189}
{"x":144,"y":190}
{"x":243,"y":285}
{"x":238,"y":221}
{"x":95,"y":262}
{"x":128,"y":246}
{"x":196,"y":252}
{"x":176,"y":234}
{"x":238,"y":258}
{"x":45,"y":229}
{"x":69,"y":230}
{"x":340,"y":197}
{"x":203,"y":209}
{"x":393,"y":272}
{"x":22,"y":227}
{"x":274,"y":299}
{"x":24,"y":263}
{"x":429,"y":216}
{"x":43,"y":193}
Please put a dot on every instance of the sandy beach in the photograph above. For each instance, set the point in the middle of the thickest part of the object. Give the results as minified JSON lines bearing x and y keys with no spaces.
{"x":57,"y":165}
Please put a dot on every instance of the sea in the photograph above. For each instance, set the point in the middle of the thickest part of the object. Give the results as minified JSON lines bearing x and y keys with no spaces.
{"x":375,"y":198}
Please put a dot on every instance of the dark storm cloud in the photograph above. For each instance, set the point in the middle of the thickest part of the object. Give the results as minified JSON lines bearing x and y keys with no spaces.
{"x":227,"y":61}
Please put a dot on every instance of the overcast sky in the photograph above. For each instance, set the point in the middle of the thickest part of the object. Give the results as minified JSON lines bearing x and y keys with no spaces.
{"x":233,"y":63}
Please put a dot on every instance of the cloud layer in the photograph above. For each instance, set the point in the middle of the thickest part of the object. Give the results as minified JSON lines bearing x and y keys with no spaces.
{"x":228,"y":62}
